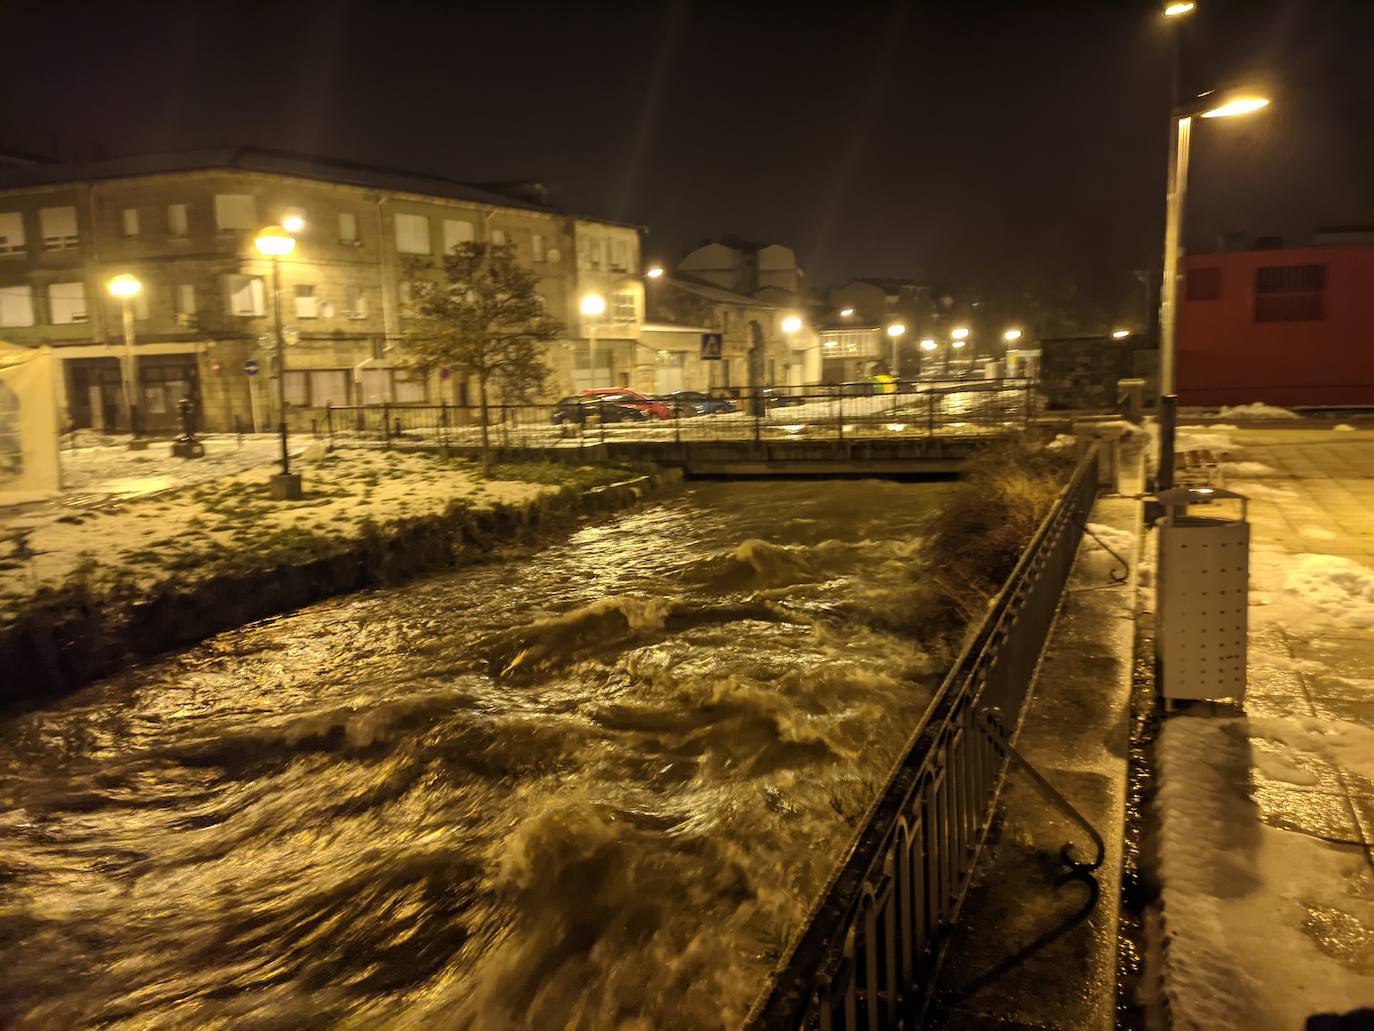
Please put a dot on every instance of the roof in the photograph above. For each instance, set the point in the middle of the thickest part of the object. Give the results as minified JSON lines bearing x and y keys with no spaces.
{"x":276,"y":162}
{"x":711,"y":292}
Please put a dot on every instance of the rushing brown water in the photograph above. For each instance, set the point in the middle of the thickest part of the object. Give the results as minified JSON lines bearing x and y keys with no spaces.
{"x":594,"y":785}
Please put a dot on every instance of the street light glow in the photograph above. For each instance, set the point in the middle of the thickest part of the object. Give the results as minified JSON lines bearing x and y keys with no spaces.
{"x":958,"y":343}
{"x":846,"y":313}
{"x":654,"y":271}
{"x":124,"y":285}
{"x":275,"y":242}
{"x":927,"y":344}
{"x":1120,"y":334}
{"x":896,"y":329}
{"x":1238,"y":106}
{"x":1011,"y":336}
{"x":1178,"y":9}
{"x":960,"y":333}
{"x":791,"y":324}
{"x":293,"y":223}
{"x":593,"y":304}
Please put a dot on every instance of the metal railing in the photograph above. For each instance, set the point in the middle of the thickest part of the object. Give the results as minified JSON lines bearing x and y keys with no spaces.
{"x":871,"y":950}
{"x":766,"y":414}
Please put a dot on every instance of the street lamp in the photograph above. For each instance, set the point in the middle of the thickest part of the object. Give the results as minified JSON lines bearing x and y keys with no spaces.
{"x":293,"y":223}
{"x":846,"y":313}
{"x":959,"y":333}
{"x":1120,"y":334}
{"x":896,"y":331}
{"x":275,"y":242}
{"x":928,"y":344}
{"x":791,"y":324}
{"x":1011,"y":336}
{"x":126,"y":287}
{"x":1178,"y":9}
{"x":1206,"y":106}
{"x":654,"y":271}
{"x":593,"y":306}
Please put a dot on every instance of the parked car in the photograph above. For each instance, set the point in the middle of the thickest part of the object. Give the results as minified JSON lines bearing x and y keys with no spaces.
{"x":577,"y":410}
{"x":633,"y":399}
{"x":694,"y":402}
{"x":775,"y":398}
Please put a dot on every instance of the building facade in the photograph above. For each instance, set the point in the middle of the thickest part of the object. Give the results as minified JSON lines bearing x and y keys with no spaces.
{"x":1286,"y":326}
{"x":204,"y":323}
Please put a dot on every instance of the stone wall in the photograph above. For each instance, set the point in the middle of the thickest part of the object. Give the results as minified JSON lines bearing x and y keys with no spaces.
{"x":1082,"y":372}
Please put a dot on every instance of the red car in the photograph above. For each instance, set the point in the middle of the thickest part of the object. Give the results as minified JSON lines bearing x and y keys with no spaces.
{"x":631,"y":399}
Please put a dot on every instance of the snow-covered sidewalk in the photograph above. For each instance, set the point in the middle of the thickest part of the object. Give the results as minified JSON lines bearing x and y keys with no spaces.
{"x":1266,"y":846}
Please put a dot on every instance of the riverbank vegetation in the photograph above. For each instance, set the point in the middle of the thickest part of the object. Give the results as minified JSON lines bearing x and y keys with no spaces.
{"x":973,"y":542}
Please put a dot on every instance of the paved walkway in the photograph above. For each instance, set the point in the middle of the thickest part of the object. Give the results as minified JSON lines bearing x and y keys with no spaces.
{"x":1266,"y":821}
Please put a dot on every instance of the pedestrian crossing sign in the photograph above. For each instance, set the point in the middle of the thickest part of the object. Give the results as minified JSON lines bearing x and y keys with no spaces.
{"x":710,"y":346}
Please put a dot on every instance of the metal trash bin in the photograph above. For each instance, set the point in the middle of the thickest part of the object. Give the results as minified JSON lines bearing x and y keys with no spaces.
{"x":1202,"y":594}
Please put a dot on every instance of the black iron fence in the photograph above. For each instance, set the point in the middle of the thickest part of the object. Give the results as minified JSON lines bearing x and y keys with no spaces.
{"x":871,"y":951}
{"x":819,"y":412}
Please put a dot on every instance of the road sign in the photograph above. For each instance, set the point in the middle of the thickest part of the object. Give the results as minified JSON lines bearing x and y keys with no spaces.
{"x":251,"y":367}
{"x":710,"y":347}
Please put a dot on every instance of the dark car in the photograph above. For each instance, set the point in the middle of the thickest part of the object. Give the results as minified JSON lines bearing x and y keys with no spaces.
{"x":775,"y":398}
{"x":694,"y":402}
{"x":577,"y":410}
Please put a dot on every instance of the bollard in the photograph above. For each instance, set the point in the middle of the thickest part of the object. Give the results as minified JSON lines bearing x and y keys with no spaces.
{"x":386,"y":424}
{"x":329,"y":423}
{"x":1168,"y":420}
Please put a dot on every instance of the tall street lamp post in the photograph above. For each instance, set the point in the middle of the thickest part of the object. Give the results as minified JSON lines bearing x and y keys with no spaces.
{"x":126,"y":288}
{"x":593,"y":306}
{"x":275,"y":242}
{"x":896,"y":331}
{"x":1207,"y":106}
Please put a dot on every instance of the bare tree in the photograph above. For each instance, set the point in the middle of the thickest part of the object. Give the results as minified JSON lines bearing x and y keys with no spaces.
{"x":484,"y":320}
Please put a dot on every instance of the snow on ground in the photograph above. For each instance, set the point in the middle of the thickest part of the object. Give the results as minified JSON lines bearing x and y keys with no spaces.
{"x":1340,"y":589}
{"x":193,"y":531}
{"x":1263,"y":925}
{"x":1256,"y":410}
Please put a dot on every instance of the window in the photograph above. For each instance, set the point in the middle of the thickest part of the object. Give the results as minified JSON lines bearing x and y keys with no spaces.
{"x":244,"y":296}
{"x":498,"y":237}
{"x":307,"y":307}
{"x":16,"y":305}
{"x":408,"y":385}
{"x":235,"y":211}
{"x":58,"y":226}
{"x":1290,"y":293}
{"x":296,"y":386}
{"x":356,"y":302}
{"x":315,"y":388}
{"x":140,"y":303}
{"x":176,"y":221}
{"x":596,"y":251}
{"x":537,"y":247}
{"x":623,"y":307}
{"x":1203,"y":284}
{"x":412,"y":234}
{"x":11,"y":232}
{"x":620,"y":256}
{"x":348,"y":227}
{"x":66,"y":303}
{"x":186,"y":299}
{"x":456,"y":231}
{"x":404,"y":301}
{"x":129,"y":222}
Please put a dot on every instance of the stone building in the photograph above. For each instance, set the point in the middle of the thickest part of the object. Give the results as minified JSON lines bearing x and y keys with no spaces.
{"x":184,"y":224}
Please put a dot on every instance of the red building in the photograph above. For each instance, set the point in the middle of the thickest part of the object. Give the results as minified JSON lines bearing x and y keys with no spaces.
{"x":1293,"y":326}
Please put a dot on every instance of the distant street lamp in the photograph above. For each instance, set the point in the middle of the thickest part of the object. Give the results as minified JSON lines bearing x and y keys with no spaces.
{"x":1206,"y":106}
{"x":1011,"y":336}
{"x":1175,"y":10}
{"x":126,"y":287}
{"x":896,"y":331}
{"x":846,"y":313}
{"x":1120,"y":334}
{"x":791,"y":324}
{"x":654,"y":271}
{"x":293,"y":223}
{"x":275,"y":242}
{"x":928,"y":345}
{"x":959,"y":333}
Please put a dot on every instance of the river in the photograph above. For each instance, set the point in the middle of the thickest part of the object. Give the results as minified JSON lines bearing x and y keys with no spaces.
{"x":590,"y":785}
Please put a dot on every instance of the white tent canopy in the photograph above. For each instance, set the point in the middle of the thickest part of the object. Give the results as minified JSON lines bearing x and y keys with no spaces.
{"x":29,"y":469}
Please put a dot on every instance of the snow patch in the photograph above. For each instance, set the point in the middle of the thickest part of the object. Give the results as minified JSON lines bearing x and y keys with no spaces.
{"x":1256,"y":410}
{"x":1340,"y":589}
{"x":1344,"y":427}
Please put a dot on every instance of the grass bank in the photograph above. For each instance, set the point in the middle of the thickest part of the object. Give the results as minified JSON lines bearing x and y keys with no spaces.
{"x":86,"y":592}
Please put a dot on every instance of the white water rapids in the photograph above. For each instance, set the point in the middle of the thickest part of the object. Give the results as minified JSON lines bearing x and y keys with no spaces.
{"x":594,"y":785}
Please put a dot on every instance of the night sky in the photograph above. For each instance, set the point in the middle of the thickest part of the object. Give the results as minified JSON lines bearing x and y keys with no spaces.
{"x":993,"y":148}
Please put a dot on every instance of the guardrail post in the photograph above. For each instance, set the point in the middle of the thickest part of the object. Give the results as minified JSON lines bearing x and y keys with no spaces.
{"x":443,"y":424}
{"x":601,"y":417}
{"x":757,"y":403}
{"x":386,"y":425}
{"x":329,"y":424}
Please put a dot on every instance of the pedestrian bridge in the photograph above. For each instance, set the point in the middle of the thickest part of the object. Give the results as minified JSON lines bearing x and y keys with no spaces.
{"x":928,"y":428}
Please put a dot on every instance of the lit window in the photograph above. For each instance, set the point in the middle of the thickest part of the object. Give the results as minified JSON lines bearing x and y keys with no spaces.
{"x":412,"y":234}
{"x":11,"y":232}
{"x":244,"y":296}
{"x":307,"y":306}
{"x":176,"y":221}
{"x":537,"y":247}
{"x":620,"y":256}
{"x":348,"y":227}
{"x":129,"y":221}
{"x":236,"y":211}
{"x":67,"y":303}
{"x":58,"y":228}
{"x":623,"y":307}
{"x":16,"y":305}
{"x":186,"y":299}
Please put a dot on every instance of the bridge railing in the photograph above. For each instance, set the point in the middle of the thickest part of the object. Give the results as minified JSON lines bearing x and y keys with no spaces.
{"x":871,"y":950}
{"x":820,"y":412}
